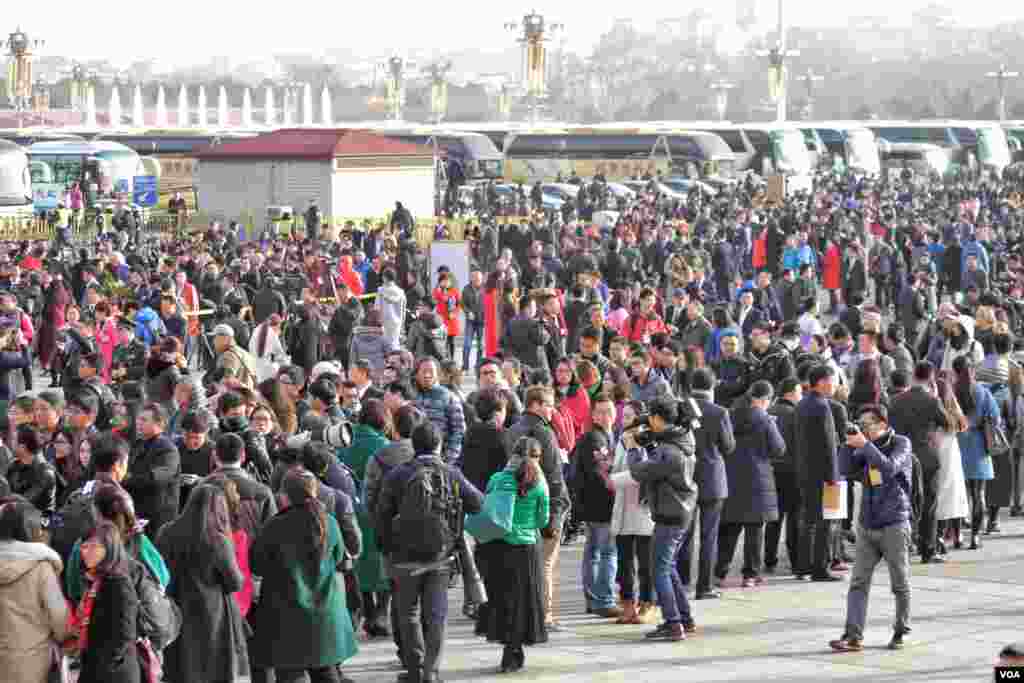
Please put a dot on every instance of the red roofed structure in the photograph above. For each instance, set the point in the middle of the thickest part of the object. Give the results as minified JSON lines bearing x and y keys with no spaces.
{"x":313,"y":143}
{"x":350,"y":173}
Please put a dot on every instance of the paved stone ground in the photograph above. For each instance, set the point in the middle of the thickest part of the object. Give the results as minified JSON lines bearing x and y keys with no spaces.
{"x":963,"y":612}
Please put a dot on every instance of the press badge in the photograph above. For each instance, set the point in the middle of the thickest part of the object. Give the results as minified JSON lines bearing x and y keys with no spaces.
{"x":874,"y":476}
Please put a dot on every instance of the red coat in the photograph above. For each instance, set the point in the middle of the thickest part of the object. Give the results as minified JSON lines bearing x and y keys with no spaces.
{"x":577,"y":407}
{"x":832,"y":271}
{"x":640,"y":329}
{"x":448,"y":305}
{"x":492,"y":321}
{"x":759,"y":257}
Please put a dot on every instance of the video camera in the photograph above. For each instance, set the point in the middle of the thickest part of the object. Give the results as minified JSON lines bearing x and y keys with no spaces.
{"x":688,"y":417}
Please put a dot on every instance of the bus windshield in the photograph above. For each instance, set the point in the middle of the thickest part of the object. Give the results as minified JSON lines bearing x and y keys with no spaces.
{"x":124,"y":165}
{"x":790,"y":152}
{"x":863,"y":151}
{"x":993,"y":149}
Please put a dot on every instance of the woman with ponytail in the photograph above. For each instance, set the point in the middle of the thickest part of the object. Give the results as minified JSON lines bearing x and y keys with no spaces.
{"x":301,"y":620}
{"x":510,"y":566}
{"x":200,"y":554}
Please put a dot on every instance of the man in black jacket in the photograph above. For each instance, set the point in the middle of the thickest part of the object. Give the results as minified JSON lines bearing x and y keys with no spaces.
{"x":422,"y":582}
{"x":817,"y":447}
{"x":665,"y":472}
{"x":347,"y":316}
{"x":918,"y":415}
{"x":787,"y":486}
{"x":257,"y":500}
{"x":714,"y":440}
{"x":595,"y":455}
{"x":153,"y":480}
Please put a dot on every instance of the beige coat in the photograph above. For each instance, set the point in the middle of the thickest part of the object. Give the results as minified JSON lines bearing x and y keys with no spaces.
{"x":33,"y":611}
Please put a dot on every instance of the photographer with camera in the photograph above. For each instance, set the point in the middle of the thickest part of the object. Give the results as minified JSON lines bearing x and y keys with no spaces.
{"x":881,"y":458}
{"x":662,"y":459}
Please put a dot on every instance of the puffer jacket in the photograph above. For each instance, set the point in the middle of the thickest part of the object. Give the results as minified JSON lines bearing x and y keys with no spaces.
{"x":666,"y":477}
{"x":444,"y":410}
{"x":427,"y":337}
{"x":889,"y":503}
{"x":391,"y":304}
{"x":34,"y":612}
{"x":371,"y":344}
{"x":525,"y":340}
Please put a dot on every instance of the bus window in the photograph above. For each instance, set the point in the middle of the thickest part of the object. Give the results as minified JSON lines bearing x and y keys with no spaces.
{"x":733,"y":138}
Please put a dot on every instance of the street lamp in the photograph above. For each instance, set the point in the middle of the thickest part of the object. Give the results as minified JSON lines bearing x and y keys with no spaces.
{"x":533,"y":32}
{"x":777,"y":57}
{"x":809,"y":79}
{"x":20,"y":49}
{"x":77,"y":87}
{"x":395,"y":87}
{"x":438,"y":73}
{"x":721,"y":90}
{"x":1001,"y":77}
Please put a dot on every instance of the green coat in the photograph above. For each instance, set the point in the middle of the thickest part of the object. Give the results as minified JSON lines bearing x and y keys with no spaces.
{"x":298,"y":623}
{"x":531,"y":512}
{"x":366,"y":441}
{"x":139,"y":547}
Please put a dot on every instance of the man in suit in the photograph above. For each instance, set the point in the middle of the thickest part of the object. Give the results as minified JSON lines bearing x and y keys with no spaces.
{"x":714,"y":439}
{"x":917,"y":415}
{"x":787,"y":484}
{"x":723,"y":263}
{"x":817,"y":447}
{"x":746,"y":315}
{"x":767,"y":300}
{"x":675,"y":312}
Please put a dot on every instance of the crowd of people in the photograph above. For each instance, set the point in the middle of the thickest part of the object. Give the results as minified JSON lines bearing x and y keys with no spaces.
{"x":249,"y":452}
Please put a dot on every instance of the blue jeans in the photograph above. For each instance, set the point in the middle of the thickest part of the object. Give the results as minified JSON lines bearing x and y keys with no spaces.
{"x":600,"y":562}
{"x":474,"y":330}
{"x":665,"y":544}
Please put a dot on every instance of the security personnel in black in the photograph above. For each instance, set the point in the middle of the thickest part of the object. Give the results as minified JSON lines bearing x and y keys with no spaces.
{"x":269,"y":300}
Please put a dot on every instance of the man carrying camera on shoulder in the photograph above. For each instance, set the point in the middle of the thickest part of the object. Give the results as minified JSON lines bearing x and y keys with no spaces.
{"x":662,"y":459}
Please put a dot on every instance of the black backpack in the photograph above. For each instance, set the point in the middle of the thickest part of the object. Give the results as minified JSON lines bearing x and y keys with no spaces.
{"x":430,"y":515}
{"x":160,"y":618}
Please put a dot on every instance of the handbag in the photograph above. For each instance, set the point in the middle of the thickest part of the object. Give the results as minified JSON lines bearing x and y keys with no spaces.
{"x":996,"y":441}
{"x":149,"y":661}
{"x":495,"y":517}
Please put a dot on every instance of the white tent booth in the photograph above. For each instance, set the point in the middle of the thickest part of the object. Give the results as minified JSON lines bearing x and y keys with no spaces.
{"x":350,"y":173}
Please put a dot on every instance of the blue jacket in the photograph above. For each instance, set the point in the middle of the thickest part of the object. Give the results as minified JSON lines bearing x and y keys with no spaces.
{"x":974,"y":248}
{"x":146,"y":321}
{"x":444,"y":409}
{"x":888,"y":503}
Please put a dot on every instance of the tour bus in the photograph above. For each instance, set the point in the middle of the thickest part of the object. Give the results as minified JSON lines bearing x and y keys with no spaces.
{"x":766,"y":149}
{"x":852,"y":142}
{"x":470,"y":155}
{"x":970,"y":143}
{"x":924,"y":158}
{"x":105,"y":171}
{"x":15,"y":180}
{"x":617,"y":154}
{"x":172,"y":151}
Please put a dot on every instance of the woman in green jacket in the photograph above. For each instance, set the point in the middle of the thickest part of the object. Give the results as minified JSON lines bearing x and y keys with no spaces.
{"x":368,"y":437}
{"x":301,"y":623}
{"x":511,"y":566}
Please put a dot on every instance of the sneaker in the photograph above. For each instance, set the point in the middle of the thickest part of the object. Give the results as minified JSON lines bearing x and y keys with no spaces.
{"x":897,"y":641}
{"x":669,"y":632}
{"x":690,"y":629}
{"x":840,"y":566}
{"x":554,"y":627}
{"x":846,"y":644}
{"x":748,"y":583}
{"x":647,"y":613}
{"x":607,"y":612}
{"x":825,"y":578}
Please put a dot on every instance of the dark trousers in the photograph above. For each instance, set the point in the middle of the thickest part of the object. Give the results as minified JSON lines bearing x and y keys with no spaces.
{"x":422,"y":616}
{"x":710,"y":521}
{"x":1015,"y":478}
{"x":326,"y":674}
{"x":976,"y":502}
{"x":635,"y":567}
{"x":753,"y":548}
{"x":815,"y":546}
{"x":26,"y":372}
{"x":928,"y":525}
{"x":788,"y":491}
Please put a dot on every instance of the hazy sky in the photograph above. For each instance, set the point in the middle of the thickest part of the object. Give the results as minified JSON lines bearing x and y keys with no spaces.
{"x":192,"y":31}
